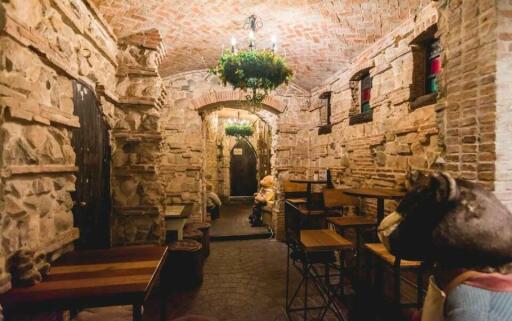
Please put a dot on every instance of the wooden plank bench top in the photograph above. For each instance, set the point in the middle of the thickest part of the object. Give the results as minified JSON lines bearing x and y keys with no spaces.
{"x":352,"y":221}
{"x":323,"y":240}
{"x":380,"y":251}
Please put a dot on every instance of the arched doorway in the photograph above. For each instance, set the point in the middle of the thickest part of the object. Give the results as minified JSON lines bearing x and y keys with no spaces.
{"x":243,"y":169}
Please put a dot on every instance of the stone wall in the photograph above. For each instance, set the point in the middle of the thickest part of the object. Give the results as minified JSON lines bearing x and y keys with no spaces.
{"x":218,"y":148}
{"x":196,"y":93}
{"x":137,"y":182}
{"x":503,"y":183}
{"x":45,"y":46}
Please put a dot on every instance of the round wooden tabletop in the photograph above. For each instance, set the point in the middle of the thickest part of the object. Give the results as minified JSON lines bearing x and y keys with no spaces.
{"x":375,"y":193}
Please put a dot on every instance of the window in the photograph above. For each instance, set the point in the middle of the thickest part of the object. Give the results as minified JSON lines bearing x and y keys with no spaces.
{"x":426,"y":54}
{"x":433,"y":66}
{"x":325,"y":113}
{"x":361,"y":92}
{"x":325,"y":109}
{"x":366,"y":90}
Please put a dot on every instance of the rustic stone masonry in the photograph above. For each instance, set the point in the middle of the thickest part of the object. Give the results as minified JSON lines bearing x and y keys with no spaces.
{"x":136,"y":181}
{"x":158,"y":131}
{"x":197,"y":93}
{"x":44,"y":46}
{"x":218,"y":146}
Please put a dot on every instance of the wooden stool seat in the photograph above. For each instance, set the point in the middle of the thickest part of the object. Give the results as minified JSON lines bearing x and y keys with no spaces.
{"x":323,"y":240}
{"x":352,"y":221}
{"x":298,"y":200}
{"x":380,"y":251}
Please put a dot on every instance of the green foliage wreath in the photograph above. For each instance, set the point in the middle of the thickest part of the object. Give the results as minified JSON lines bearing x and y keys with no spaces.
{"x":257,"y":70}
{"x":239,"y":130}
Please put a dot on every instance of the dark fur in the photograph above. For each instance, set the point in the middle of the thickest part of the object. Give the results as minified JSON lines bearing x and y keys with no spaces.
{"x":473,"y":230}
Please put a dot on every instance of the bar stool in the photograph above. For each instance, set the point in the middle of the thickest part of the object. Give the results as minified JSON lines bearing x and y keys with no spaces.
{"x":336,"y":199}
{"x":295,"y":192}
{"x":318,"y":247}
{"x":379,"y":251}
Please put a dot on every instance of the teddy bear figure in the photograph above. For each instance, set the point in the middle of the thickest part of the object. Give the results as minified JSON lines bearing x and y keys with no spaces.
{"x":263,"y":201}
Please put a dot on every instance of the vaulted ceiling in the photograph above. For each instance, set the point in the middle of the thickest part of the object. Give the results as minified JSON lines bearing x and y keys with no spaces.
{"x":317,"y":37}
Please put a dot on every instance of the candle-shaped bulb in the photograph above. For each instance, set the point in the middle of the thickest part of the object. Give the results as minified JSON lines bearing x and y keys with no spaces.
{"x":233,"y":44}
{"x":274,"y":42}
{"x":251,"y":35}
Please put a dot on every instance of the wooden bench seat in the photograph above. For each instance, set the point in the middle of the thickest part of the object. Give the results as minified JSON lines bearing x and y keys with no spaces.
{"x":323,"y":240}
{"x":352,"y":221}
{"x":298,"y":200}
{"x":380,"y":251}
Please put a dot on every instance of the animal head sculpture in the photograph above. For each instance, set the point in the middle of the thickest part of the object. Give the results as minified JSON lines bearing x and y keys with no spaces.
{"x":452,"y":222}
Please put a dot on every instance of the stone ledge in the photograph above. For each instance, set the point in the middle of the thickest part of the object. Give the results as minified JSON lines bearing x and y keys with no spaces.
{"x":62,"y":240}
{"x":13,"y":170}
{"x":135,"y":169}
{"x":131,"y":100}
{"x":165,"y":169}
{"x":137,"y":210}
{"x":137,"y":71}
{"x":33,"y":40}
{"x":135,"y":136}
{"x":361,"y":118}
{"x":32,"y":111}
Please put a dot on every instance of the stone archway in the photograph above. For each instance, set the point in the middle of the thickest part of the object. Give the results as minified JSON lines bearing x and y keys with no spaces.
{"x":231,"y":96}
{"x":210,"y":115}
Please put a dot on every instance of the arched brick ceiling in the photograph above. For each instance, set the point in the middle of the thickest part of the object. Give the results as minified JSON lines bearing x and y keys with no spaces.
{"x":317,"y":37}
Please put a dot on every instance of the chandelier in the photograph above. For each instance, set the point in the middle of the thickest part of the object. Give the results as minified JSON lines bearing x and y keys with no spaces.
{"x":238,"y":128}
{"x":255,"y":71}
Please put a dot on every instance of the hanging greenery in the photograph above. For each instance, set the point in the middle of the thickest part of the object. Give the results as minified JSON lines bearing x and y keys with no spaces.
{"x":239,"y":129}
{"x":257,"y":71}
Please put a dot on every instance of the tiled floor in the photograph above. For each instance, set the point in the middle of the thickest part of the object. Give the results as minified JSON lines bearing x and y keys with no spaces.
{"x":234,"y":222}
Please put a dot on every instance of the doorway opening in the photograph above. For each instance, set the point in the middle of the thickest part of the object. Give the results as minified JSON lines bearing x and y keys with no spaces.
{"x":92,"y":195}
{"x":233,"y":168}
{"x":242,"y":169}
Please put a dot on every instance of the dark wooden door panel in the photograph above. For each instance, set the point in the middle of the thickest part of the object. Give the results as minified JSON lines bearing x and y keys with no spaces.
{"x":243,"y":169}
{"x":92,"y":195}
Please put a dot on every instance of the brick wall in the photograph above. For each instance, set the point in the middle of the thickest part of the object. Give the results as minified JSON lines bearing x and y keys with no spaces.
{"x":467,"y":108}
{"x":400,"y":138}
{"x":503,"y":183}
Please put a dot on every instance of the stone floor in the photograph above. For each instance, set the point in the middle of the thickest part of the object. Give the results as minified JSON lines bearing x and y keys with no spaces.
{"x":234,"y":222}
{"x":243,"y":281}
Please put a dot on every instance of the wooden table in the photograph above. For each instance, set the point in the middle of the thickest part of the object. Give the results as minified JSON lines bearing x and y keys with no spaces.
{"x":308,"y":183}
{"x":380,"y":194}
{"x":92,"y":278}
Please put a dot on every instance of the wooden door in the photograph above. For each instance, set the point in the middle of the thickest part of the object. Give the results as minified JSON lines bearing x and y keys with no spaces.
{"x":92,"y":196}
{"x":243,"y":169}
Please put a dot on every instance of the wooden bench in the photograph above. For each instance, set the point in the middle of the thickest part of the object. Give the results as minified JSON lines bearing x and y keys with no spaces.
{"x":323,"y":240}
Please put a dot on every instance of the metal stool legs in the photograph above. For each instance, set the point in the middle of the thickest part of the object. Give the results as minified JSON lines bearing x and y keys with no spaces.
{"x":321,"y":282}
